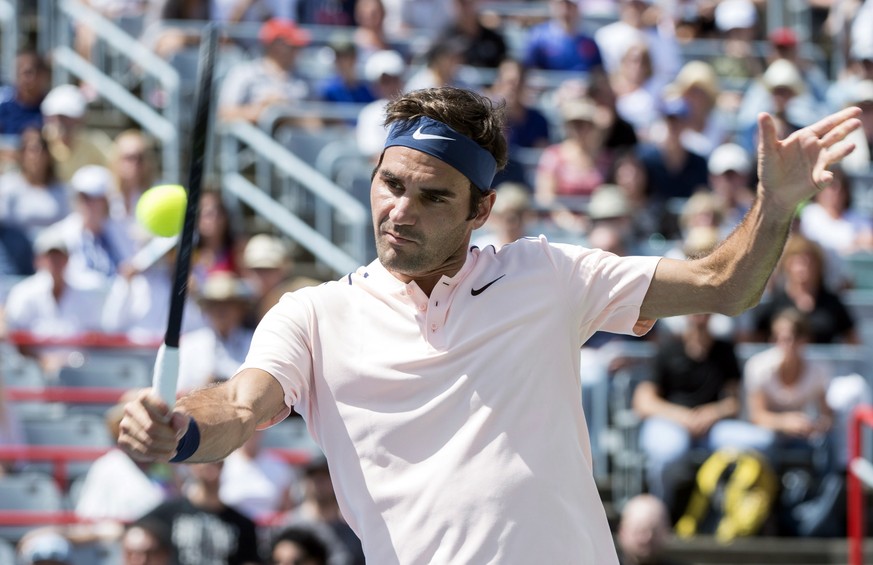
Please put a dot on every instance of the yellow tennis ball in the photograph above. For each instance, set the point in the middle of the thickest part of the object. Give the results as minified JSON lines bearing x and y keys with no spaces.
{"x":161,"y":209}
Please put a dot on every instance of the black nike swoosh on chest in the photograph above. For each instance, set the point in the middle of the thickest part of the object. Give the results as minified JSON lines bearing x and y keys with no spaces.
{"x":478,"y":291}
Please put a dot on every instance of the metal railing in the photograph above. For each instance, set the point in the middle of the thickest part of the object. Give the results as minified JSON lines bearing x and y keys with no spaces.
{"x":335,"y":228}
{"x":60,"y":17}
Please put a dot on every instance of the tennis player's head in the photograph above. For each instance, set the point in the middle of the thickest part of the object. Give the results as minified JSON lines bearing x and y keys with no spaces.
{"x":432,"y":184}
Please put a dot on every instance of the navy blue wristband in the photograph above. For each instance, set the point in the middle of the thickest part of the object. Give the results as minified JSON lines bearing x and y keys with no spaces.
{"x":188,"y":444}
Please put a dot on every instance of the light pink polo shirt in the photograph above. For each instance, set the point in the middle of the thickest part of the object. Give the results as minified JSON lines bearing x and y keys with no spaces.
{"x":453,"y":424}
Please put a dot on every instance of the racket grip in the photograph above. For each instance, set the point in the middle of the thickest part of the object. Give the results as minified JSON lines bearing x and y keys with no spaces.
{"x":166,"y":375}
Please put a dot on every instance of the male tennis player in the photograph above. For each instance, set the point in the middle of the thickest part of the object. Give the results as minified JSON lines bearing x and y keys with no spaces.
{"x":442,"y":381}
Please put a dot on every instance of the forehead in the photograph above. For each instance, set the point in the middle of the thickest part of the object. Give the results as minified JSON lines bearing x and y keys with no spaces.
{"x":416,"y":167}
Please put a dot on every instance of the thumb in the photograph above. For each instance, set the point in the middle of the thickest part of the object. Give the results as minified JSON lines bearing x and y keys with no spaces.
{"x":767,"y":139}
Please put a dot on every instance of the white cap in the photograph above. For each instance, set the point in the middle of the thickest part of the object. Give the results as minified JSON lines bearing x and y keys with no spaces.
{"x":384,"y":62}
{"x":729,"y":157}
{"x":92,"y":180}
{"x":783,"y":73}
{"x":608,"y":201}
{"x":265,"y":252}
{"x":50,"y":239}
{"x":732,"y":14}
{"x":64,"y":100}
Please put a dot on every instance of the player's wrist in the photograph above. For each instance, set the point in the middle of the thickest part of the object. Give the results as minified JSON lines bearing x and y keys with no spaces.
{"x":188,"y":444}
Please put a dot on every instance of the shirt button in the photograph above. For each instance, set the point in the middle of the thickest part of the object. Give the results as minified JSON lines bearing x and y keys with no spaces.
{"x":422,"y":307}
{"x":433,"y":327}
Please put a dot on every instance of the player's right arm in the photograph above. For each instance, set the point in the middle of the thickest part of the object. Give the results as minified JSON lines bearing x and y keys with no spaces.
{"x":226,"y":414}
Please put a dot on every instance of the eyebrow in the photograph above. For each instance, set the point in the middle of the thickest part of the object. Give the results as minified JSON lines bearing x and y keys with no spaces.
{"x":388,"y":176}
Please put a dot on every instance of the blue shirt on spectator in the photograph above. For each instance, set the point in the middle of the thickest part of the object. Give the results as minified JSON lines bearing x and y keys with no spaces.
{"x":664,"y":183}
{"x":335,"y":89}
{"x":15,"y":116}
{"x":530,"y":131}
{"x":551,"y":48}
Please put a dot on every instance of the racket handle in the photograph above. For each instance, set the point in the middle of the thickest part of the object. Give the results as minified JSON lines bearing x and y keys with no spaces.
{"x":166,"y":375}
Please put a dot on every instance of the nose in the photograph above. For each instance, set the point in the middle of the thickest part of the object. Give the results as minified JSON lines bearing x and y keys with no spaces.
{"x":404,"y":211}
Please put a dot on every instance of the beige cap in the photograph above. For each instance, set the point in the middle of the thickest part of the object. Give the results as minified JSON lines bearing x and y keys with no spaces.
{"x":224,"y":286}
{"x":265,"y":251}
{"x":608,"y":201}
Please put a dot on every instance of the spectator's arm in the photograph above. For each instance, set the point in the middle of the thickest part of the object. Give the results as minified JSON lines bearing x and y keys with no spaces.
{"x":647,"y":402}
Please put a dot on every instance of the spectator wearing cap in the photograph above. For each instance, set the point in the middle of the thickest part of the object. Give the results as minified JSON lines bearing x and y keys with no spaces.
{"x":787,"y":101}
{"x":215,"y":352}
{"x":250,"y":87}
{"x":98,"y":244}
{"x":20,"y":103}
{"x":385,"y":71}
{"x":70,"y":142}
{"x":737,"y":24}
{"x":706,"y":127}
{"x":45,"y":547}
{"x":511,"y":217}
{"x":269,"y":269}
{"x":344,"y":84}
{"x":50,"y":303}
{"x":558,"y":45}
{"x":486,"y":46}
{"x":32,"y":197}
{"x":730,"y":178}
{"x":672,"y":170}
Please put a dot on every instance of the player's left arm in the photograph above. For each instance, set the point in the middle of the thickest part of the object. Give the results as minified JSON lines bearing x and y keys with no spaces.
{"x":732,"y":278}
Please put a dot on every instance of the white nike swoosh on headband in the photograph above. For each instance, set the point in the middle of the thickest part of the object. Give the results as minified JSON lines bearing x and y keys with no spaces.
{"x":421,"y":136}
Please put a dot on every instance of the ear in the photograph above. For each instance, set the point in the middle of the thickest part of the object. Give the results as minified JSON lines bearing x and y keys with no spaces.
{"x":484,"y":211}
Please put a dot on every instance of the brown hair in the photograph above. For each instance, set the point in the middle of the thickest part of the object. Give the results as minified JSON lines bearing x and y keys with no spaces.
{"x":798,"y":320}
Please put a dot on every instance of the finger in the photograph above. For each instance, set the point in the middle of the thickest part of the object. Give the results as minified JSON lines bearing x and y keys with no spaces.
{"x":840,"y":132}
{"x":838,"y":152}
{"x":767,"y":139}
{"x":156,"y":407}
{"x":825,"y":125}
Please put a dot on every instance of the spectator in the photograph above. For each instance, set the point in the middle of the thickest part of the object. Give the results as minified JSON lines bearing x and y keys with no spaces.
{"x":269,"y":269}
{"x":297,"y":546}
{"x":166,"y":41}
{"x":32,"y":198}
{"x":643,"y":532}
{"x":318,"y":512}
{"x":558,"y":45}
{"x":369,"y":35}
{"x":98,"y":245}
{"x":730,"y":178}
{"x":442,"y":61}
{"x":511,"y":217}
{"x":705,"y":128}
{"x":217,"y":246}
{"x":344,"y":85}
{"x":619,"y":134}
{"x":640,"y":20}
{"x":830,"y":220}
{"x":486,"y":46}
{"x":46,"y":548}
{"x":636,"y":94}
{"x":132,"y":162}
{"x":692,"y":400}
{"x":16,"y":251}
{"x":786,"y":393}
{"x":147,"y":542}
{"x":647,"y":214}
{"x":11,"y":432}
{"x":50,"y":303}
{"x":250,"y":87}
{"x":673,"y":171}
{"x":527,"y":127}
{"x":408,"y":18}
{"x":256,"y":482}
{"x":703,"y":209}
{"x":117,"y":489}
{"x":384,"y":71}
{"x":801,"y":284}
{"x":576,"y":165}
{"x":20,"y":104}
{"x":860,"y":161}
{"x":215,"y":352}
{"x":737,"y":23}
{"x":205,"y":529}
{"x":785,"y":86}
{"x":71,"y":143}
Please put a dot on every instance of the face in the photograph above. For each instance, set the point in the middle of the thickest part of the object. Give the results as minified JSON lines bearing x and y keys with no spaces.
{"x":420,"y":209}
{"x":141,"y":547}
{"x":289,"y":553}
{"x":802,"y":268}
{"x":34,"y":155}
{"x":643,"y":534}
{"x":211,"y":221}
{"x":131,"y":158}
{"x":785,"y":335}
{"x":30,"y":80}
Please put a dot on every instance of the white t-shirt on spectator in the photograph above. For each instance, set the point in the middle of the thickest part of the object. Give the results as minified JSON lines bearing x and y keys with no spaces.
{"x":115,"y":488}
{"x":761,"y":373}
{"x":256,"y":486}
{"x":204,"y":356}
{"x":31,"y":306}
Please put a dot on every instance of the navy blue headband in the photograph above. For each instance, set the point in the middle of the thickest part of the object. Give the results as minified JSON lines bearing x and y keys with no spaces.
{"x":436,"y":138}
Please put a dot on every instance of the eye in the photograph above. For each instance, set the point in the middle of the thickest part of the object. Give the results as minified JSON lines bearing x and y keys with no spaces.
{"x":435,"y":198}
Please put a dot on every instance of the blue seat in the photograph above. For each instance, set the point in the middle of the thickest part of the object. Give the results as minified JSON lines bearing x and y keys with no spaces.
{"x":28,"y":491}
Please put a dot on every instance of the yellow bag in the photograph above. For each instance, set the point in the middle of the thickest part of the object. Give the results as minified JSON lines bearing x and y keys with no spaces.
{"x":733,"y":494}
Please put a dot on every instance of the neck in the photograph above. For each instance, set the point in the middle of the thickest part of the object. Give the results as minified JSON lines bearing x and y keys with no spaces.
{"x":206,"y":498}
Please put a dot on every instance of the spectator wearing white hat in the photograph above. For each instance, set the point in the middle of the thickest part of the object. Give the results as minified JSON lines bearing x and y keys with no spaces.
{"x":385,"y":71}
{"x":269,"y":269}
{"x":737,"y":24}
{"x":98,"y":244}
{"x":215,"y":352}
{"x":71,"y":144}
{"x":730,"y":178}
{"x":45,"y":547}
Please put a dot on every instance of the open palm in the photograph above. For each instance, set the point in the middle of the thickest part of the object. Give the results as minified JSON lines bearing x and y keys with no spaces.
{"x":794,"y":169}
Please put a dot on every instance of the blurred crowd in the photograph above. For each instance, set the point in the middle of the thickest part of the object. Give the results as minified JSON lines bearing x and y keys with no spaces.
{"x":622,"y":136}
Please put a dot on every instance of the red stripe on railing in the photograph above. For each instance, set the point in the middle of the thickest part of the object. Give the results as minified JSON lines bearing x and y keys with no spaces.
{"x":89,"y":339}
{"x":37,"y":518}
{"x":79,"y":395}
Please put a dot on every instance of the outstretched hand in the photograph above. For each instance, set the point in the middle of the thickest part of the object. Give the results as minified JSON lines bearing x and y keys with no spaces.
{"x":794,"y":169}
